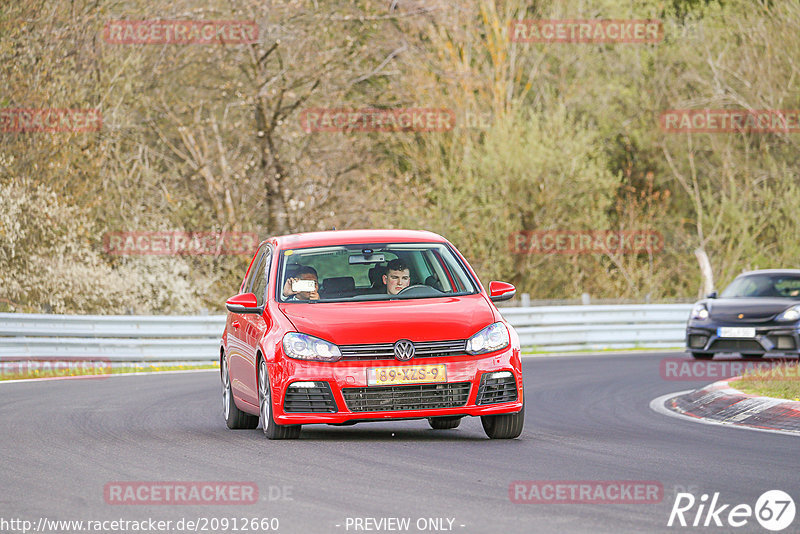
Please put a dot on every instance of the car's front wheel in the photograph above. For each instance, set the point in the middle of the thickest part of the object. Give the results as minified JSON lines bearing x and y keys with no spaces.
{"x":702,"y":355}
{"x":271,"y":429}
{"x":234,"y":417}
{"x":505,"y":426}
{"x":444,"y":423}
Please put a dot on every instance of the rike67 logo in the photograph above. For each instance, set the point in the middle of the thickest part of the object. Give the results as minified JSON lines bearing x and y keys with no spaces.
{"x":774,"y":510}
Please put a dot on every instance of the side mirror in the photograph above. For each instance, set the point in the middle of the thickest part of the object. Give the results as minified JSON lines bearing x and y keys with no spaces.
{"x":499,"y":291}
{"x":712,"y":295}
{"x":244,"y":303}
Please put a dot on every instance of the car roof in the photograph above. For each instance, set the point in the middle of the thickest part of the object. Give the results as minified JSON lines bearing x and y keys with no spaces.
{"x":795,"y":272}
{"x":346,"y":237}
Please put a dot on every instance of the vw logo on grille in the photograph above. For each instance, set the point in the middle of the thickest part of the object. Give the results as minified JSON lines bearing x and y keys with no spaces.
{"x":404,"y":350}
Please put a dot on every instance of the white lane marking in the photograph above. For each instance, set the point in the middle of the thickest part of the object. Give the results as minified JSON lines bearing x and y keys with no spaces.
{"x":657,"y":405}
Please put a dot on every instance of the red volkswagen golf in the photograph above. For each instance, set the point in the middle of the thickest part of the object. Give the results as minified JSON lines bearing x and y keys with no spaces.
{"x":343,"y":327}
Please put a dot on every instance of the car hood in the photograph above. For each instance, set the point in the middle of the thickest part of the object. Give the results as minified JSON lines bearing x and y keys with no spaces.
{"x":751,"y":309}
{"x":427,"y":319}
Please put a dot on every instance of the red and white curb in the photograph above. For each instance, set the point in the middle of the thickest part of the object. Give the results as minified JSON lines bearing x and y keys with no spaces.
{"x":720,"y":404}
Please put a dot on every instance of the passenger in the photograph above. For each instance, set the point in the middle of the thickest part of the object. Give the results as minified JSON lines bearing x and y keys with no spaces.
{"x":303,"y":273}
{"x":397,"y":277}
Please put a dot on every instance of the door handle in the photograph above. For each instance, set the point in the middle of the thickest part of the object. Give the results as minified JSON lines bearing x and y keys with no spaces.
{"x":235,"y":324}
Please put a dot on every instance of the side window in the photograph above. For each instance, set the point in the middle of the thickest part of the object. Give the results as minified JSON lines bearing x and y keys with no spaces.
{"x":250,"y":275}
{"x":261,"y":277}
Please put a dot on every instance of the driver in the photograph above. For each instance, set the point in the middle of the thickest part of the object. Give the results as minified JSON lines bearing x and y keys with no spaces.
{"x":303,"y":273}
{"x":397,"y":277}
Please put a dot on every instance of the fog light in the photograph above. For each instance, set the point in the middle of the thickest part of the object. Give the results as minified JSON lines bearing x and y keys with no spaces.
{"x":500,"y":374}
{"x":697,"y":342}
{"x":785,"y":342}
{"x":306,"y":384}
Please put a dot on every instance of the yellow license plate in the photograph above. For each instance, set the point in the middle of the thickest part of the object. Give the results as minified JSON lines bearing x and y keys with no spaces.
{"x":392,"y":376}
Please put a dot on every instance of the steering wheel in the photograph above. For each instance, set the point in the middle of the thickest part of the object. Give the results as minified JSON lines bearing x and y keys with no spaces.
{"x":412,"y":287}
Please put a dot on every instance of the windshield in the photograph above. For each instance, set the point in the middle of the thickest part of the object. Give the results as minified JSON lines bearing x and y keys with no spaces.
{"x":764,"y":285}
{"x":371,"y":272}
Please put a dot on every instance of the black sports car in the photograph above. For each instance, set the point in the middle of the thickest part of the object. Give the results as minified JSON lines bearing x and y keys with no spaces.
{"x":759,"y":312}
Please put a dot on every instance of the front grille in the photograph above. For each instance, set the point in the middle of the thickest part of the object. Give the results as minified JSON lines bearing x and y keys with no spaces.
{"x":416,"y":397}
{"x":496,"y":390}
{"x":318,"y":399}
{"x":737,"y":345}
{"x":385,"y":351}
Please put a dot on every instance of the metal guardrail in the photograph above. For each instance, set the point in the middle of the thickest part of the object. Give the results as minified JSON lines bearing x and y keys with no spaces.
{"x":117,"y":326}
{"x":570,"y":328}
{"x":164,"y":338}
{"x":113,"y":337}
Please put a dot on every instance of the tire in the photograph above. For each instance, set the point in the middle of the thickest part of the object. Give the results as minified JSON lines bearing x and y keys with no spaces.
{"x":444,"y":423}
{"x":505,"y":426}
{"x":271,"y":429}
{"x":702,"y":355}
{"x":234,"y":417}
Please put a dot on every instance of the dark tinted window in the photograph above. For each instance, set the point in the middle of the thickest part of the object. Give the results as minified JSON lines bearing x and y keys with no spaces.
{"x":764,"y":285}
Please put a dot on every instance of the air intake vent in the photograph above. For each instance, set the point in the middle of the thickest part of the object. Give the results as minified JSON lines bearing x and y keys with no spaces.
{"x":496,"y":388}
{"x":309,"y":397}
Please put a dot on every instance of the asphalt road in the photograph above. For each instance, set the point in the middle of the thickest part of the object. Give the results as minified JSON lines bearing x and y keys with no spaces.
{"x":587,"y":418}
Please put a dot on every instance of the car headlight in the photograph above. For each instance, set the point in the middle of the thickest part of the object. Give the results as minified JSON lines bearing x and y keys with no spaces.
{"x":792,"y":314}
{"x":493,"y":337}
{"x":305,"y":347}
{"x":699,"y":312}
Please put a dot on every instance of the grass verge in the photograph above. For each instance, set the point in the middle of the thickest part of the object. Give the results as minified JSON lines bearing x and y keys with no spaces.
{"x":781,"y":381}
{"x":145,"y":368}
{"x":58,"y":369}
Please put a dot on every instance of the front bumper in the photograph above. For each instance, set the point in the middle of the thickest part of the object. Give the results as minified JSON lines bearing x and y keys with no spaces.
{"x":342,"y":390}
{"x":768,"y":339}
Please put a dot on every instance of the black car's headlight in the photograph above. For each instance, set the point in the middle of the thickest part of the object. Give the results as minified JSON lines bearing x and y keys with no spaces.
{"x":699,"y":312}
{"x":792,"y":314}
{"x":305,"y":347}
{"x":493,"y":337}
